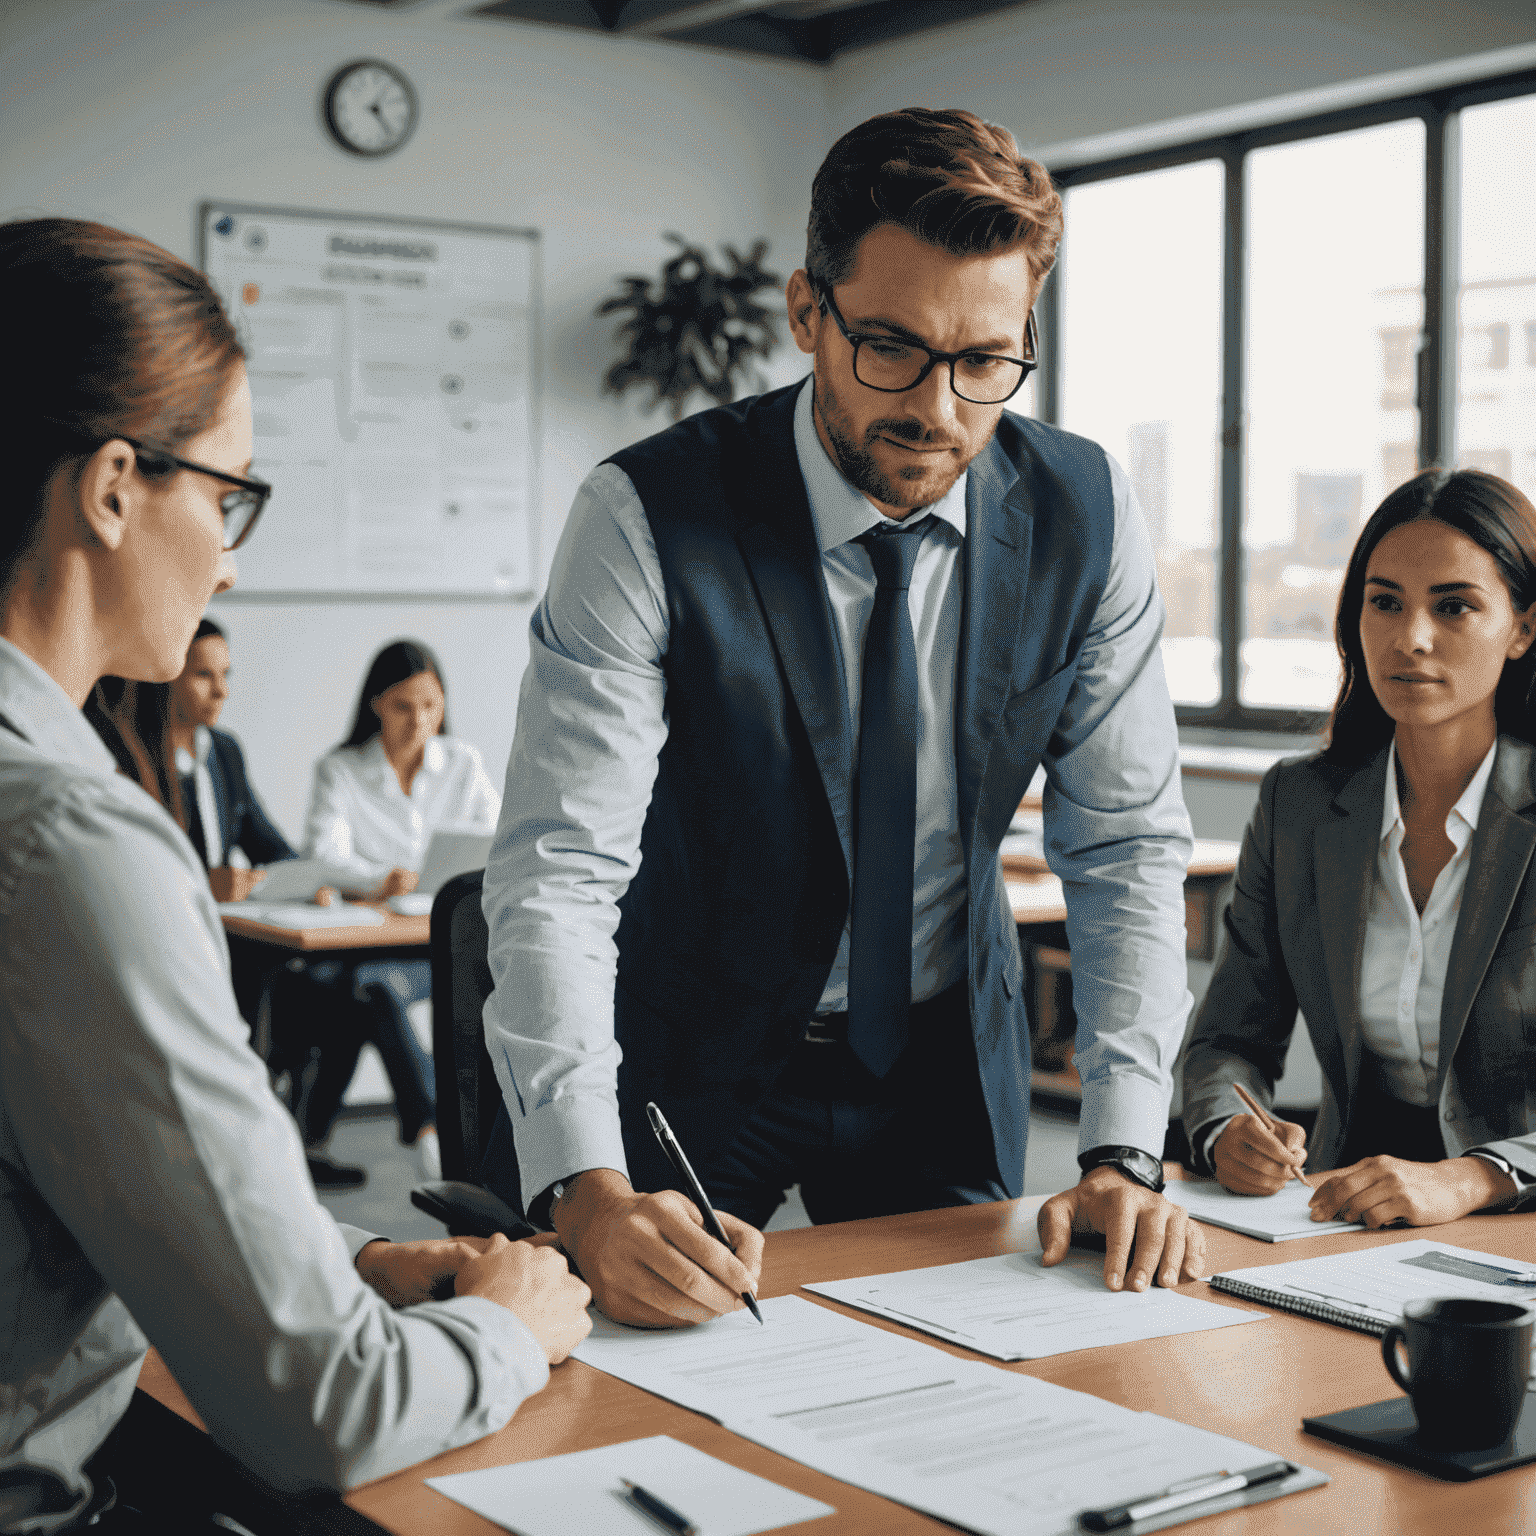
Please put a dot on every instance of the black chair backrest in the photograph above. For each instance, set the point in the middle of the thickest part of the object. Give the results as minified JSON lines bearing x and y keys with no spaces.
{"x":468,"y":1095}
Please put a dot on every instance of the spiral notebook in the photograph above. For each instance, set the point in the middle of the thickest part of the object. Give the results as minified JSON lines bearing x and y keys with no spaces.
{"x":1368,"y":1290}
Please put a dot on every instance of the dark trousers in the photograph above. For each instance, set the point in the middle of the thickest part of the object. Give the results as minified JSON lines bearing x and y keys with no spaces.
{"x":324,"y":1012}
{"x":857,"y":1145}
{"x":160,"y":1476}
{"x":1380,"y":1125}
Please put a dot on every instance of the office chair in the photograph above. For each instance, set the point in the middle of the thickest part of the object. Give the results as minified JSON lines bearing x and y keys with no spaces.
{"x":468,"y":1095}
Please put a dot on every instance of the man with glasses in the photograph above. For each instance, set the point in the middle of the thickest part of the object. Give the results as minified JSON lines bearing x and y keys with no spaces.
{"x":798,"y":661}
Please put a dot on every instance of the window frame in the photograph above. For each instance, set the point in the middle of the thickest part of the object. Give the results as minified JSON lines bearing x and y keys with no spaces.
{"x":1435,"y":374}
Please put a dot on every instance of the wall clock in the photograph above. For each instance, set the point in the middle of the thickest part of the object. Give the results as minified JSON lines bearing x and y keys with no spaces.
{"x":370,"y":107}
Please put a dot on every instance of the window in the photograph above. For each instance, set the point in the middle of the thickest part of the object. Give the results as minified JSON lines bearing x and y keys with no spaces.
{"x":1149,"y":330}
{"x":1273,"y":330}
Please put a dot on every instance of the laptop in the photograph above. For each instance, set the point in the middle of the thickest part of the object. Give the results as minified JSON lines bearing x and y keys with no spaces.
{"x":451,"y":852}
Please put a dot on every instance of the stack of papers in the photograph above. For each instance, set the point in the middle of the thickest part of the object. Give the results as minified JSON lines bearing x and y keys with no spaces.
{"x":581,"y":1494}
{"x":302,"y":914}
{"x":1013,"y":1308}
{"x":1275,"y":1218}
{"x":999,"y":1453}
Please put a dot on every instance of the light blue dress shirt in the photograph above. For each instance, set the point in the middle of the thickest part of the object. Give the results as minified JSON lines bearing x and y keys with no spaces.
{"x":151,"y":1185}
{"x":591,"y":724}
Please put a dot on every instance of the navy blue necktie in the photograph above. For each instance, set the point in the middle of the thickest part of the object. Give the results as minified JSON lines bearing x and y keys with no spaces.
{"x":885,"y":811}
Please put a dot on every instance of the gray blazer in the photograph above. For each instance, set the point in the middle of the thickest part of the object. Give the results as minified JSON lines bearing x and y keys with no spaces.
{"x":1295,"y":930}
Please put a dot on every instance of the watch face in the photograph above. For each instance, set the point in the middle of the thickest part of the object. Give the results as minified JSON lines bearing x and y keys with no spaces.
{"x":370,"y":107}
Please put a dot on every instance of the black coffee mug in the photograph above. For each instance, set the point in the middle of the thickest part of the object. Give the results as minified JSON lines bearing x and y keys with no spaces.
{"x":1469,"y":1362}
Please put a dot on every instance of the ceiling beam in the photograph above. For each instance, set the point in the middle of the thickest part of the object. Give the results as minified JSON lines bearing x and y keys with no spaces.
{"x":686,"y":18}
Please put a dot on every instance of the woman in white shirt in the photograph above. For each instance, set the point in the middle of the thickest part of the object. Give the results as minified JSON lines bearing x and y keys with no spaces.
{"x":152,"y":1188}
{"x":377,"y":799}
{"x":1385,"y":888}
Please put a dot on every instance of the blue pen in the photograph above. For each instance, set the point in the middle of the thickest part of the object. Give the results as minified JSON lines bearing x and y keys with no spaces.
{"x":659,"y":1510}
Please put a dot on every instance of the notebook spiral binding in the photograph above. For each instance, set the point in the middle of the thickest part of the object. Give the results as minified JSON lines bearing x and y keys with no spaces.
{"x":1361,"y":1322}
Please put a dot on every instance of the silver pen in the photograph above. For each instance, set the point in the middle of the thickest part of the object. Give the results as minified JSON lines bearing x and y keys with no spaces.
{"x":1195,"y":1490}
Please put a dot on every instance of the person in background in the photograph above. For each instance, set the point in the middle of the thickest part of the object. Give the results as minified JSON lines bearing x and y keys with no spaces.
{"x":376,"y":801}
{"x":152,"y":1188}
{"x":221,"y":810}
{"x":1384,"y":888}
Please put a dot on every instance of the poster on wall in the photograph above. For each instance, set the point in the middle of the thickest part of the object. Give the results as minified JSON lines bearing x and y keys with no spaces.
{"x":392,"y":375}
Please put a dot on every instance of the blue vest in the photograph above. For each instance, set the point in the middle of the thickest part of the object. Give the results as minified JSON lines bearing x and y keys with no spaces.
{"x":729,"y":930}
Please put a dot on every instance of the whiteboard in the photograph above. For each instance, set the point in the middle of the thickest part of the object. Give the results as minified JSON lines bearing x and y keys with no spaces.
{"x":391,"y":367}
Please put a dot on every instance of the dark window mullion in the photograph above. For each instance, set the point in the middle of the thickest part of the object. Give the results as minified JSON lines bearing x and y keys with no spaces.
{"x":1233,"y":418}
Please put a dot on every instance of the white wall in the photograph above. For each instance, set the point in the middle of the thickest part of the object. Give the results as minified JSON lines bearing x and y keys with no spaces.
{"x":1055,"y":71}
{"x":134,"y":111}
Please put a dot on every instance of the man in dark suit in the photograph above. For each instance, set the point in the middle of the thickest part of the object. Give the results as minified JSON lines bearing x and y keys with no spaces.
{"x":797,"y":664}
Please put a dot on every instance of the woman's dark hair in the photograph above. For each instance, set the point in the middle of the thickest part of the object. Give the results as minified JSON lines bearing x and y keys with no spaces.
{"x":108,"y":336}
{"x":1497,"y":518}
{"x":397,"y":662}
{"x":206,"y":628}
{"x":134,"y":721}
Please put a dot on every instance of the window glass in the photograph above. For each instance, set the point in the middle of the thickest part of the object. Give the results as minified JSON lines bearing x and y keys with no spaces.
{"x":1334,"y":308}
{"x":1496,"y":300}
{"x":1141,"y":375}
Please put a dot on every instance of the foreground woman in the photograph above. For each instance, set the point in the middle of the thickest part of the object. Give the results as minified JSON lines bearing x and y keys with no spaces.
{"x":149,"y":1180}
{"x":1384,"y":887}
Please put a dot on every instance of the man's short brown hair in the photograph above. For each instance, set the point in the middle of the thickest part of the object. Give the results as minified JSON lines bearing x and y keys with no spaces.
{"x":945,"y":176}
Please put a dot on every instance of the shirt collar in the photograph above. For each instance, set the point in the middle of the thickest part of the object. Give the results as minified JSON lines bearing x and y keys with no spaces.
{"x":202,"y":745}
{"x":432,"y":761}
{"x":1468,"y":807}
{"x":45,"y":715}
{"x":839,"y":511}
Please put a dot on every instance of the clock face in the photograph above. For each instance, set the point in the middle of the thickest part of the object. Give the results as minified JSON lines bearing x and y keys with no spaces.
{"x":370,"y":107}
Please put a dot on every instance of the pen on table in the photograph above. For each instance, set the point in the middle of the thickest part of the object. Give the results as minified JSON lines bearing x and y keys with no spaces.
{"x":1264,"y":1118}
{"x":659,"y":1510}
{"x":1179,"y":1495}
{"x":675,"y":1154}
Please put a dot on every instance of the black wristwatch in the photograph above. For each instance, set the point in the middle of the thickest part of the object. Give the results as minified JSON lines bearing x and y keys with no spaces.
{"x":1138,"y":1166}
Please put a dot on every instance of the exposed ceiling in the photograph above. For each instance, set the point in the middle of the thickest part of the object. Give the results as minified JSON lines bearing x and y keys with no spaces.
{"x":818,"y":30}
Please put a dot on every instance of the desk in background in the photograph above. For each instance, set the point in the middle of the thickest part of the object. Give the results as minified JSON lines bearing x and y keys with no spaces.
{"x":1040,"y":910}
{"x":1254,"y":1383}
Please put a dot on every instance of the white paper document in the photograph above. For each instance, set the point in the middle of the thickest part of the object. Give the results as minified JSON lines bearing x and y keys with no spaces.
{"x":997,"y":1452}
{"x":1013,"y":1308}
{"x":1275,"y":1218}
{"x":299,"y":914}
{"x":581,"y":1494}
{"x":292,"y":880}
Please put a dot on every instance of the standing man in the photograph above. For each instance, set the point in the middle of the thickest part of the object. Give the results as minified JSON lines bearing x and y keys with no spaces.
{"x":798,"y":661}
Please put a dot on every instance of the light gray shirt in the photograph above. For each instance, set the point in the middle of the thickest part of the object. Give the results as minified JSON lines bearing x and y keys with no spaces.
{"x":591,"y":724}
{"x":152,"y":1186}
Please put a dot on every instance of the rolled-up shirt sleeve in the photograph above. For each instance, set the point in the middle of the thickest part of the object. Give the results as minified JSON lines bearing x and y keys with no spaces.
{"x":591,"y":723}
{"x":1118,"y":835}
{"x":146,"y":1124}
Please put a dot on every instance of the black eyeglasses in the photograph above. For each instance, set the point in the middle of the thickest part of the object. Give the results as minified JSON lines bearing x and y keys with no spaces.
{"x":241,"y":507}
{"x":894,"y":366}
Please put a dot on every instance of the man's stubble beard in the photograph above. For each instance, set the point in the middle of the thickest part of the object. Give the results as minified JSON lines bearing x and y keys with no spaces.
{"x":857,"y":464}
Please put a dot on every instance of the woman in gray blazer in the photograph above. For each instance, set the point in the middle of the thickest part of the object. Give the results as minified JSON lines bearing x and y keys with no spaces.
{"x":1385,"y":888}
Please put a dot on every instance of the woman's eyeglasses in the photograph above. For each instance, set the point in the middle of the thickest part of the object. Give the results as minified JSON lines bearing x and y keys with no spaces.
{"x":241,"y":507}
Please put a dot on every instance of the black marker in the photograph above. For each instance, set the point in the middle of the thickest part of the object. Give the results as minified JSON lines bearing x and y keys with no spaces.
{"x":1197,"y":1490}
{"x":695,"y":1190}
{"x":659,"y":1510}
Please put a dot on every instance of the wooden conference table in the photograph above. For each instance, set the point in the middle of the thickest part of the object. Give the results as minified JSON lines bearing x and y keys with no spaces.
{"x":1254,"y":1383}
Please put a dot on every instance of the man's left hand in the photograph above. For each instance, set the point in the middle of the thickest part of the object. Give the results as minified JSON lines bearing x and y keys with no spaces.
{"x":1169,"y":1247}
{"x":407,"y":1273}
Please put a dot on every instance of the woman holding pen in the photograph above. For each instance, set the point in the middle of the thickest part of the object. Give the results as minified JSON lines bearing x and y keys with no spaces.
{"x":1385,"y":889}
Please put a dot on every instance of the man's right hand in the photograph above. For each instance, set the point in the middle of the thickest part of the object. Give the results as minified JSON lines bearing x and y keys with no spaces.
{"x":648,"y":1258}
{"x":1249,"y":1158}
{"x":229,"y":884}
{"x":534,"y":1283}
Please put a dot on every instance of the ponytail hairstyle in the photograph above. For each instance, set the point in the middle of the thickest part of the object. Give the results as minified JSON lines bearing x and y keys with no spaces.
{"x":134,"y":720}
{"x":1496,"y":517}
{"x":108,"y":336}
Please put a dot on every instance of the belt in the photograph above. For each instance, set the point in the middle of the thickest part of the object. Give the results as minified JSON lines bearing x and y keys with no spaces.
{"x":827,"y":1029}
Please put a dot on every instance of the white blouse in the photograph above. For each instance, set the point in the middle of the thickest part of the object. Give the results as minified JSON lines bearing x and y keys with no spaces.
{"x":1403,"y":967}
{"x":360,"y":819}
